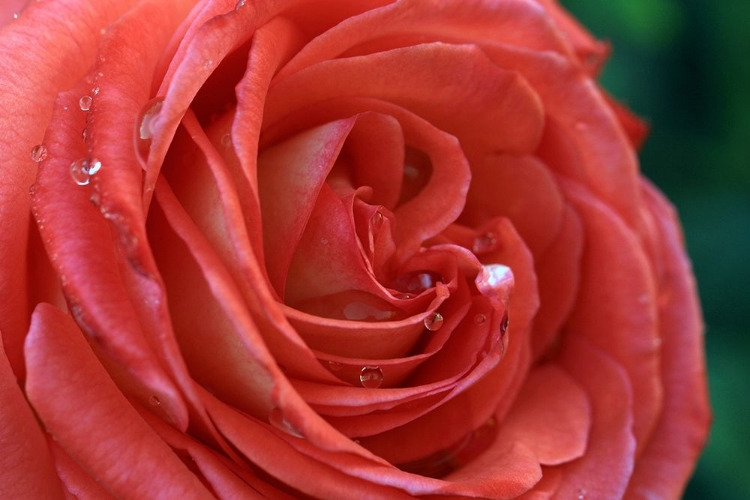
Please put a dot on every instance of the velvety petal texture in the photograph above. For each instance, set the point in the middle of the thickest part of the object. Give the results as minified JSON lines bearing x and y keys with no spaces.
{"x":333,"y":249}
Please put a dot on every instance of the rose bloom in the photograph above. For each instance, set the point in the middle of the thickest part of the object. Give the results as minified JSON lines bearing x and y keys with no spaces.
{"x":333,"y":249}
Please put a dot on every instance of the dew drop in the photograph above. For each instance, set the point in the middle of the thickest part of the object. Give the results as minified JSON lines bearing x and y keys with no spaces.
{"x":226,"y":141}
{"x":480,"y":318}
{"x":240,"y":4}
{"x":404,"y":296}
{"x":276,"y":418}
{"x":504,"y":324}
{"x":82,"y":170}
{"x":38,"y":153}
{"x":434,"y":322}
{"x":208,"y":64}
{"x":376,"y":221}
{"x":95,"y":91}
{"x":371,"y":377}
{"x":85,"y":103}
{"x":147,"y":124}
{"x":582,"y":494}
{"x":16,"y":15}
{"x":154,"y":401}
{"x":335,"y":366}
{"x":484,"y":243}
{"x":416,"y":282}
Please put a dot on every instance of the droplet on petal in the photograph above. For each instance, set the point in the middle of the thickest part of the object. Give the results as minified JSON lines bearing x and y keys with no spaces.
{"x":82,"y":170}
{"x":582,"y":494}
{"x":95,"y":91}
{"x":154,"y":401}
{"x":208,"y":64}
{"x":434,"y":322}
{"x":226,"y":140}
{"x":240,"y":4}
{"x":371,"y":377}
{"x":484,"y":243}
{"x":504,"y":324}
{"x":416,"y":282}
{"x":276,"y":418}
{"x":335,"y":366}
{"x":376,"y":221}
{"x":146,"y":125}
{"x":38,"y":153}
{"x":85,"y":103}
{"x":480,"y":318}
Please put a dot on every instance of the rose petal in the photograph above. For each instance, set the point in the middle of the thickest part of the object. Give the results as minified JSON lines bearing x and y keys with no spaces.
{"x":617,"y":295}
{"x":681,"y":430}
{"x":118,"y":449}
{"x":604,"y":470}
{"x":78,"y":482}
{"x":31,"y":79}
{"x":25,"y":464}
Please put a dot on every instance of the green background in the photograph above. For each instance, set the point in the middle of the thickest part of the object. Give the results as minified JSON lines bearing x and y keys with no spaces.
{"x":685,"y":66}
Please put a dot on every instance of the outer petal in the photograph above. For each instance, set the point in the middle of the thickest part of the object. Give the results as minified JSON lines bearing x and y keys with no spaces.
{"x":26,"y":469}
{"x":34,"y":68}
{"x":88,"y":415}
{"x":668,"y":459}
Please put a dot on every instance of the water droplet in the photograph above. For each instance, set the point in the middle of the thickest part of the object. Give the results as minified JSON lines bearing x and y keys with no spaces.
{"x":38,"y":153}
{"x":504,"y":324}
{"x":416,"y":282}
{"x":33,"y":188}
{"x":240,"y":4}
{"x":82,"y":170}
{"x":95,"y":91}
{"x":371,"y":377}
{"x":484,"y":243}
{"x":376,"y":221}
{"x":85,"y":103}
{"x":335,"y":366}
{"x":103,"y":31}
{"x":480,"y":318}
{"x":15,"y":15}
{"x":208,"y":64}
{"x":404,"y":296}
{"x":276,"y":418}
{"x":434,"y":322}
{"x":154,"y":401}
{"x":361,"y":311}
{"x":582,"y":494}
{"x":147,"y":125}
{"x":226,"y":140}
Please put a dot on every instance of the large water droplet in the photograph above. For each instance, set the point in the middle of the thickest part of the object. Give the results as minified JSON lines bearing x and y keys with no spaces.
{"x":434,"y":322}
{"x":484,"y":243}
{"x":146,"y":125}
{"x":82,"y":170}
{"x":38,"y":153}
{"x":277,"y":419}
{"x":85,"y":103}
{"x":416,"y":282}
{"x":371,"y":377}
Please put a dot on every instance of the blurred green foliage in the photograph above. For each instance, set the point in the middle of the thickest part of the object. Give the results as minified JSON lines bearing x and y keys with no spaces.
{"x":685,"y":66}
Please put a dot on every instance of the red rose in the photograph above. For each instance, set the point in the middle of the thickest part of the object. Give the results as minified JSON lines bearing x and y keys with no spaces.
{"x":335,"y":249}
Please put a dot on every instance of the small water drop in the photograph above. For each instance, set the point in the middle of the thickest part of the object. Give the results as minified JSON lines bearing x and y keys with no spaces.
{"x":226,"y":140}
{"x":416,"y":282}
{"x":208,"y":64}
{"x":484,"y":243}
{"x":240,"y":4}
{"x":147,"y":125}
{"x":582,"y":494}
{"x":335,"y":366}
{"x":277,"y":419}
{"x":85,"y":103}
{"x":480,"y":318}
{"x":504,"y":324}
{"x":434,"y":322}
{"x":82,"y":170}
{"x":376,"y":221}
{"x":16,"y":15}
{"x":371,"y":377}
{"x":38,"y":153}
{"x":95,"y":90}
{"x":404,"y":296}
{"x":154,"y":401}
